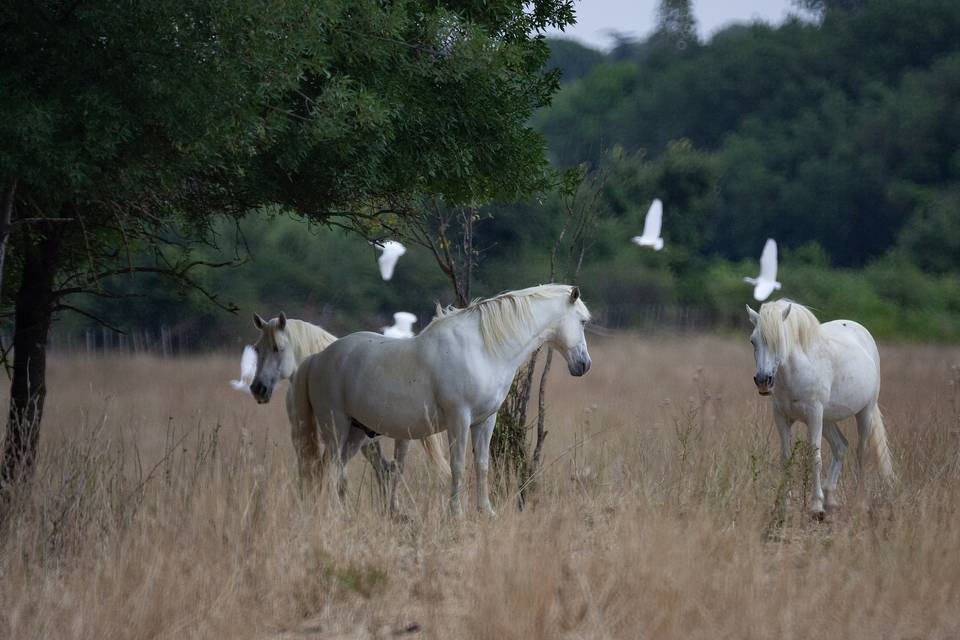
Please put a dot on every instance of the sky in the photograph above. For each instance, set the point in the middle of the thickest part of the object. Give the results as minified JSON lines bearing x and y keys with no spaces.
{"x":597,"y":18}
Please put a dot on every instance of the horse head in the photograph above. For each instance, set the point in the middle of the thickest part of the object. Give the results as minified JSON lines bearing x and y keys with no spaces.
{"x":276,"y":360}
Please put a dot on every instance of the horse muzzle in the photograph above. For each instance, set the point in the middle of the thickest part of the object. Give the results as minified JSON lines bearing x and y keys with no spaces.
{"x":764,"y":384}
{"x":260,"y":392}
{"x":579,"y":367}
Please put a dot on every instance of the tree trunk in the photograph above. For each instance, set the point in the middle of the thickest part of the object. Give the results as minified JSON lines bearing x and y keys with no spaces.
{"x":34,"y":311}
{"x":6,"y":213}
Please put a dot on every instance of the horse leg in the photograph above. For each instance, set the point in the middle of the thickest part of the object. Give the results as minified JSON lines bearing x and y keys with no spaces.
{"x":457,"y":435}
{"x":335,"y":431}
{"x":373,"y":452}
{"x":784,"y":426}
{"x":400,"y":448}
{"x":482,"y":433}
{"x":355,"y":439}
{"x":815,"y":430}
{"x":838,"y":448}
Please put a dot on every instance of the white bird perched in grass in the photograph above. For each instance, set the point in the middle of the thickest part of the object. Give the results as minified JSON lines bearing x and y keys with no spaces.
{"x":402,"y":325}
{"x":766,"y":282}
{"x":651,"y":227}
{"x":392,"y":250}
{"x":248,"y":369}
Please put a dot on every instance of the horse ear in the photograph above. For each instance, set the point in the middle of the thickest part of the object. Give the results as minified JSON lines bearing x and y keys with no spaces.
{"x":753,"y":315}
{"x":786,"y":311}
{"x":258,"y":321}
{"x":282,"y":321}
{"x":574,"y":294}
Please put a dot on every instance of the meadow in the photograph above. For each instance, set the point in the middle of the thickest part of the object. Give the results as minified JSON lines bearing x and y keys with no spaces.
{"x":166,"y":506}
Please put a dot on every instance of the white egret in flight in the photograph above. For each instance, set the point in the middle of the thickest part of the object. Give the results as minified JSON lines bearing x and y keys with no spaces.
{"x":248,"y":369}
{"x":651,"y":227}
{"x":766,"y":282}
{"x":392,"y":250}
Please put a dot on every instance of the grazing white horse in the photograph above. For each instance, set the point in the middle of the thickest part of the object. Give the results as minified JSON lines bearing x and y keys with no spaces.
{"x":451,"y":377}
{"x":283,"y":345}
{"x":820,"y":374}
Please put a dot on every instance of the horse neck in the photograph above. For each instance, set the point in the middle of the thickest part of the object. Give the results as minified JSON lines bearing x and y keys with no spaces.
{"x":307,"y":339}
{"x":798,"y":360}
{"x":518,"y":350}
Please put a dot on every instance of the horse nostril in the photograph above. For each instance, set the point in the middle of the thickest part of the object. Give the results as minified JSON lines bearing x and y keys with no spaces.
{"x":756,"y":379}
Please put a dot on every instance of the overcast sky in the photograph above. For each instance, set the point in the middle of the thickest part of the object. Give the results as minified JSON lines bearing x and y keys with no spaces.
{"x":597,"y":18}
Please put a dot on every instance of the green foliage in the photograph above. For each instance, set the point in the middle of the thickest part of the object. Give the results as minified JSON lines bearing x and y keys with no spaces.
{"x":838,"y":138}
{"x":137,"y":126}
{"x":572,"y":59}
{"x":838,"y":133}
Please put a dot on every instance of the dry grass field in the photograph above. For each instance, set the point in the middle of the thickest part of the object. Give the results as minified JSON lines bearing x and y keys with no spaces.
{"x":166,"y":507}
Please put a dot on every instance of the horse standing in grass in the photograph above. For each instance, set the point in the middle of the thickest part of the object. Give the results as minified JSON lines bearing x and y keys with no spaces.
{"x":283,"y":345}
{"x":451,"y":377}
{"x":820,"y":374}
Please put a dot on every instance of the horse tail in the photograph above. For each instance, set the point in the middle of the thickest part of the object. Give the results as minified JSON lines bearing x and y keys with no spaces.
{"x":433,"y":446}
{"x":304,"y":425}
{"x":877,"y":441}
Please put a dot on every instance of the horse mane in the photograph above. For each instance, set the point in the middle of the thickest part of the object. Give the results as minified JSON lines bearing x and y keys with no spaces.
{"x":307,"y":339}
{"x":783,"y":336}
{"x":507,"y":315}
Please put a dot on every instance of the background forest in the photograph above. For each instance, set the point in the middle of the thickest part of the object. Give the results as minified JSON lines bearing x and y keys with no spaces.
{"x":837,"y":133}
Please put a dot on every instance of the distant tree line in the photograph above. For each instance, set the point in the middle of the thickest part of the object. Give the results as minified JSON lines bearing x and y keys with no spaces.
{"x":836,"y":134}
{"x":841,"y":132}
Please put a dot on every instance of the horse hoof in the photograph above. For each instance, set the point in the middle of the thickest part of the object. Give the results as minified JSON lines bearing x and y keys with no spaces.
{"x":818,"y":515}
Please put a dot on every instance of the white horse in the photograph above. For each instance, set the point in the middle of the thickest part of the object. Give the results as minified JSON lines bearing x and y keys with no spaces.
{"x":452,"y":377}
{"x":820,"y":374}
{"x":283,"y":345}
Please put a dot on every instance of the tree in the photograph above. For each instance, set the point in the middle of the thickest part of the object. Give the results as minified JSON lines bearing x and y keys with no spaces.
{"x":574,"y":60}
{"x":128,"y":130}
{"x":676,"y":25}
{"x":822,"y":7}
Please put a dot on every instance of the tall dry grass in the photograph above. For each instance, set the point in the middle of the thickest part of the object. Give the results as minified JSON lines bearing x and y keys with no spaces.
{"x":166,"y":507}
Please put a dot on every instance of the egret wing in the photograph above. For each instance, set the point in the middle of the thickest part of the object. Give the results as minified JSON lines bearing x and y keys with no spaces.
{"x":392,"y":250}
{"x":653,"y":221}
{"x":248,"y":369}
{"x":387,"y":262}
{"x":768,"y":262}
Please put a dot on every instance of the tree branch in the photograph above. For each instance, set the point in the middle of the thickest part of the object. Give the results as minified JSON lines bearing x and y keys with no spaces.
{"x":91,"y":316}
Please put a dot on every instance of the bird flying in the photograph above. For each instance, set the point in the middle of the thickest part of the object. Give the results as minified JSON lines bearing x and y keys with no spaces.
{"x":248,"y":369}
{"x":766,"y":282}
{"x":392,"y":250}
{"x":651,"y":227}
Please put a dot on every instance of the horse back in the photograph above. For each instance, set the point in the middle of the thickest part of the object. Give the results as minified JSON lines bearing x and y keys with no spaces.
{"x":855,"y":363}
{"x":849,"y":333}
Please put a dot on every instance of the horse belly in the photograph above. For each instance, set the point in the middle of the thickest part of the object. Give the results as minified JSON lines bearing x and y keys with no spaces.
{"x":856,"y":376}
{"x":398,"y":406}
